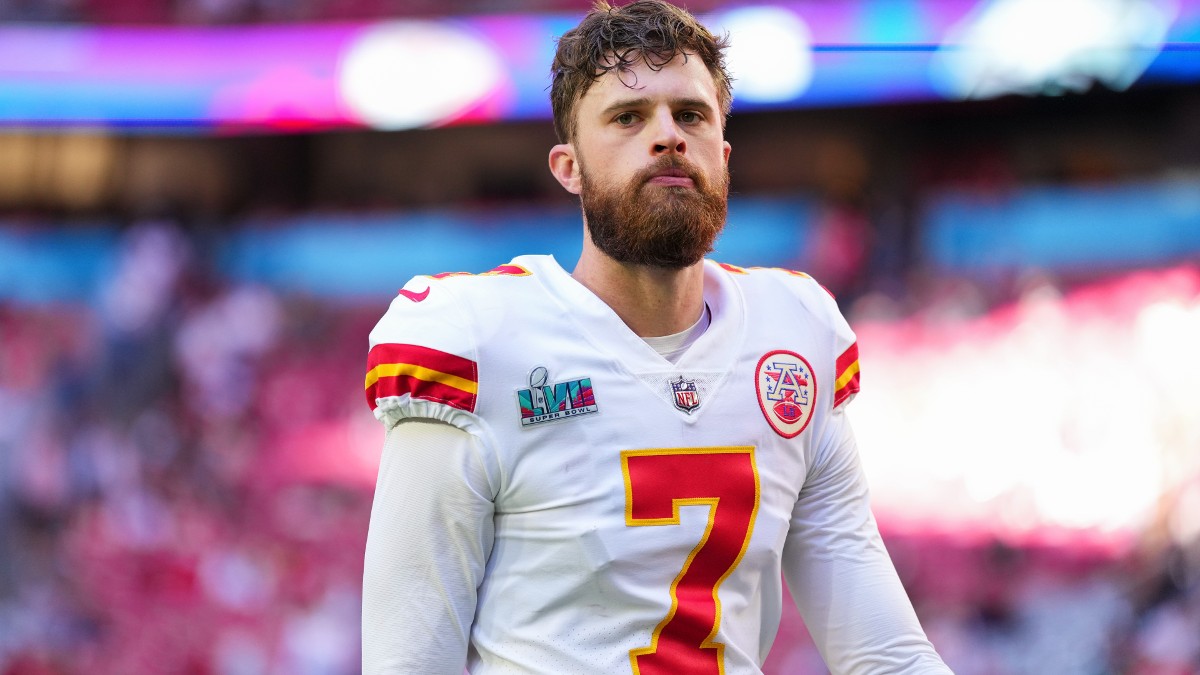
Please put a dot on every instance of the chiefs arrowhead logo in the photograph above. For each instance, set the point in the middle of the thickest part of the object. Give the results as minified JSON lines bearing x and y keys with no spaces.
{"x":787,"y":391}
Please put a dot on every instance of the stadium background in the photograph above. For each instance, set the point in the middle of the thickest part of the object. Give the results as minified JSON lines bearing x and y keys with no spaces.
{"x":206,"y":204}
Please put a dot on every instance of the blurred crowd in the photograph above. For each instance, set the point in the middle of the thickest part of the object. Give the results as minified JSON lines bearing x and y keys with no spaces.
{"x":145,"y":524}
{"x":183,"y":489}
{"x":994,"y":609}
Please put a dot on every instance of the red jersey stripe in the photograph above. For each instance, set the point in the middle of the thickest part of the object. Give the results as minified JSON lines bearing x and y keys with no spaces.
{"x":434,"y":359}
{"x":846,"y":391}
{"x":416,"y":387}
{"x":847,"y":369}
{"x":508,"y":271}
{"x":847,"y":358}
{"x":421,"y":372}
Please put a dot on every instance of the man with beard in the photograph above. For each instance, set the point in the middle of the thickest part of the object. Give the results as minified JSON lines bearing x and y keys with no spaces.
{"x":610,"y":470}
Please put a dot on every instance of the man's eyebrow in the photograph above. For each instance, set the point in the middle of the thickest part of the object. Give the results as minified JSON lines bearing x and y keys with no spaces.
{"x":625,"y":104}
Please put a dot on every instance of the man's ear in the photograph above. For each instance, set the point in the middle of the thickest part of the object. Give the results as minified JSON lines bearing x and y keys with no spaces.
{"x":565,"y":167}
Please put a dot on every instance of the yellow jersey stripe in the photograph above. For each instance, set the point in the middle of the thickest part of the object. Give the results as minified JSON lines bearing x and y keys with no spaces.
{"x":421,"y":373}
{"x":850,"y":372}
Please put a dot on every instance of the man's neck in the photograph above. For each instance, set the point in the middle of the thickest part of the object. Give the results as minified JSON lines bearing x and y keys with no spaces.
{"x":652,"y":301}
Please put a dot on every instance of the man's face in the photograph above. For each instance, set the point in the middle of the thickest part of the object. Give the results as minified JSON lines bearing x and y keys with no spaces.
{"x":653,"y":163}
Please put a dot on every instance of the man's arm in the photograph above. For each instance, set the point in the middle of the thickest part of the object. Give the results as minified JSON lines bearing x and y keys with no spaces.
{"x":430,"y":537}
{"x":840,"y":574}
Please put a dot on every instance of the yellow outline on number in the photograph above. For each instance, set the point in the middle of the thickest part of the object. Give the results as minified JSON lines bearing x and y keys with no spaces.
{"x":712,"y":503}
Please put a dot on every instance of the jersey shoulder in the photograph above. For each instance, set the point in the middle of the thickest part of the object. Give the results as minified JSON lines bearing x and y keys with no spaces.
{"x":423,"y":359}
{"x":780,"y":285}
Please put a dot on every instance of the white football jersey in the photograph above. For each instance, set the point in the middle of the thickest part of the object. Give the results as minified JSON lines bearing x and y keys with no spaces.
{"x":644,"y":510}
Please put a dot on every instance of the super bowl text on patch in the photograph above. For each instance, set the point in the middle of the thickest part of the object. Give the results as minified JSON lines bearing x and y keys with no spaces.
{"x":787,"y":390}
{"x":543,"y":402}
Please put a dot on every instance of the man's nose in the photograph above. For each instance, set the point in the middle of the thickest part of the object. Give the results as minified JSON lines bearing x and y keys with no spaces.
{"x":667,"y":136}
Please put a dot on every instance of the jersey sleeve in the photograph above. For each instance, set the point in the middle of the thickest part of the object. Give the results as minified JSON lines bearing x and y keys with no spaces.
{"x":845,"y":346}
{"x":428,"y":544}
{"x":822,"y":305}
{"x":422,"y":361}
{"x":841,"y":576}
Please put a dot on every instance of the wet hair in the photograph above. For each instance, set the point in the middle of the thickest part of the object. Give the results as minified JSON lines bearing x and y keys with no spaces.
{"x":615,"y":38}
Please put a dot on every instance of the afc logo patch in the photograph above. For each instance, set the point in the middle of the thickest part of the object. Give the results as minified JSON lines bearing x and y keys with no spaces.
{"x":787,"y":391}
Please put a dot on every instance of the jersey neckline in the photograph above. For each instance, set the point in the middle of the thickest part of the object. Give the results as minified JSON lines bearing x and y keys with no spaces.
{"x":713,"y":351}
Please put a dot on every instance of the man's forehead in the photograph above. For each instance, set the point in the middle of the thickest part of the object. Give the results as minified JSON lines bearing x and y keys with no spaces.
{"x":639,"y":76}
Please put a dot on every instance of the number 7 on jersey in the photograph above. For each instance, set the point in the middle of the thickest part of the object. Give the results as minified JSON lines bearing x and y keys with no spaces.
{"x":657,"y":483}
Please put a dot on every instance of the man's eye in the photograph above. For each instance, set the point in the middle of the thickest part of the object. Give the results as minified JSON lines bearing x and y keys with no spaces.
{"x":689,"y":117}
{"x":625,"y":119}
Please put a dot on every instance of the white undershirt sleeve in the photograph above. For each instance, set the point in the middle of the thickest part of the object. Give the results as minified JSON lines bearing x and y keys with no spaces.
{"x":430,"y":536}
{"x":840,"y":574}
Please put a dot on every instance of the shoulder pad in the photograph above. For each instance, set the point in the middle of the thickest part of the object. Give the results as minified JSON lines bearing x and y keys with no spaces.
{"x":422,"y":350}
{"x":821,"y":303}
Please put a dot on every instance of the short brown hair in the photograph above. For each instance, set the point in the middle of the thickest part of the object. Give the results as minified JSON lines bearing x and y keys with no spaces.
{"x":614,"y":38}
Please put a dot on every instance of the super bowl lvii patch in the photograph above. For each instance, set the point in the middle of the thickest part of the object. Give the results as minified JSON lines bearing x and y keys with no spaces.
{"x":543,"y":402}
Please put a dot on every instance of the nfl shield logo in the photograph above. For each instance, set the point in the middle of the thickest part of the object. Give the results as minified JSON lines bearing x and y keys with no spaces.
{"x":687,"y":397}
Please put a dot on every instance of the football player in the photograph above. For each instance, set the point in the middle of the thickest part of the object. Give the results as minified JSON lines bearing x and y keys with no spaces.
{"x":610,"y":470}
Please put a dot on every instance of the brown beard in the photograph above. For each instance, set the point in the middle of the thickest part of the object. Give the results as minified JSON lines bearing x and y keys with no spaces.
{"x":660,"y":226}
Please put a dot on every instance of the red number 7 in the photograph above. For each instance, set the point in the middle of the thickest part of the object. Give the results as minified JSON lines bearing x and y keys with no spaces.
{"x":657,"y":483}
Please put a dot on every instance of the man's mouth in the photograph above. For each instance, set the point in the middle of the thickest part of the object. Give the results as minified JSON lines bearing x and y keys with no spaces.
{"x":672,"y":177}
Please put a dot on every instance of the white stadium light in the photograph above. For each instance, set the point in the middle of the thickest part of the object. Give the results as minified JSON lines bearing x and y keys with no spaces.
{"x":1039,"y":47}
{"x":407,"y":74}
{"x":770,"y":53}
